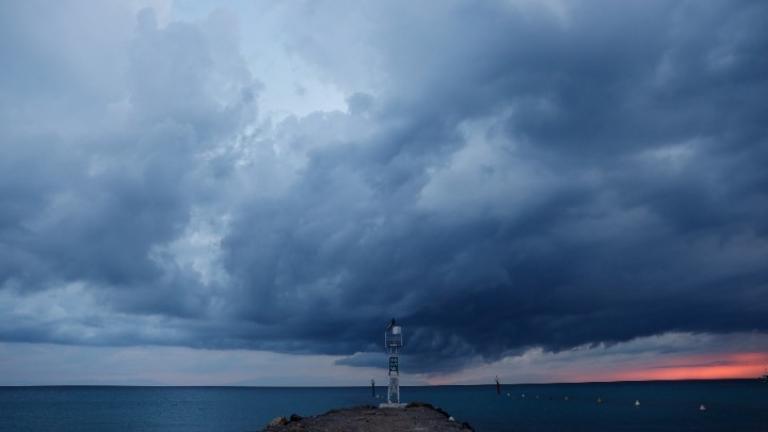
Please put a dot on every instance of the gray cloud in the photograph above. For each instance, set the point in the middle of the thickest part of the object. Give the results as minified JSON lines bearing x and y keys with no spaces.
{"x":508,"y":175}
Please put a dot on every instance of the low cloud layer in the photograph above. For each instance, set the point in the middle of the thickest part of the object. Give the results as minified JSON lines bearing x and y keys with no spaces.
{"x":506,"y":176}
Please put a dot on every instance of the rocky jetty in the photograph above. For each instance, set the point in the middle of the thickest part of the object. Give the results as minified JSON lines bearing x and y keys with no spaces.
{"x":415,"y":416}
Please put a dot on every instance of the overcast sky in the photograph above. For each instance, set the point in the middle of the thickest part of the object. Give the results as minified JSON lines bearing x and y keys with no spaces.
{"x":245,"y":192}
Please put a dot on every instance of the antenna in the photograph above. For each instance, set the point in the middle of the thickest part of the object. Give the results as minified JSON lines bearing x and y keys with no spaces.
{"x":393,"y":343}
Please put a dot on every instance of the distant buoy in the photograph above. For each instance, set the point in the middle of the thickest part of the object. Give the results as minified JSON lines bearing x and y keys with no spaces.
{"x":522,"y":395}
{"x":637,"y":403}
{"x":599,"y":400}
{"x":566,"y":398}
{"x":509,"y":395}
{"x":702,"y":407}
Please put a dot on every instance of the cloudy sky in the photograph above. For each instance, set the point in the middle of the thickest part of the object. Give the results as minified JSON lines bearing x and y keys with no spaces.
{"x":245,"y":192}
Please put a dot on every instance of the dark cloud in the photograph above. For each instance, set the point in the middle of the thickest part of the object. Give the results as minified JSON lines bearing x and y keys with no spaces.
{"x":508,"y":175}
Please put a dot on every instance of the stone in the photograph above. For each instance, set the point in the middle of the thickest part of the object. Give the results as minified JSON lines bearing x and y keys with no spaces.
{"x":278,"y":421}
{"x":415,"y":416}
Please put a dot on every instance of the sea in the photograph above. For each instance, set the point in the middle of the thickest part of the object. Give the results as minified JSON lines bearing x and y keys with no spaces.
{"x":729,"y":405}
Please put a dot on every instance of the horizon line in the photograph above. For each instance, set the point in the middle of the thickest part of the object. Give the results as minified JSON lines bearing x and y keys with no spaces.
{"x":383,"y":386}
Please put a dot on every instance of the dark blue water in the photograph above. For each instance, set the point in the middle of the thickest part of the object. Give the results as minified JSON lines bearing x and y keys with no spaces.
{"x":664,"y":406}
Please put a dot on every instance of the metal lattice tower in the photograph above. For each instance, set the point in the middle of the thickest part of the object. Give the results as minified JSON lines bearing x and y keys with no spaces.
{"x":393,"y":343}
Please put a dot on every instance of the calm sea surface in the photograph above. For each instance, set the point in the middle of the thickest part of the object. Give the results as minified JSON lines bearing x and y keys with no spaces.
{"x":664,"y":406}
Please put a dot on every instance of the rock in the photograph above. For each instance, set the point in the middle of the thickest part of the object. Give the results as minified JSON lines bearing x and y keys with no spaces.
{"x":295,"y":417}
{"x":427,"y":405}
{"x":415,"y":416}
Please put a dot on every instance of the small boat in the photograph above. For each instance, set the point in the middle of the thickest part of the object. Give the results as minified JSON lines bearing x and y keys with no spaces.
{"x":702,"y":407}
{"x":637,"y":403}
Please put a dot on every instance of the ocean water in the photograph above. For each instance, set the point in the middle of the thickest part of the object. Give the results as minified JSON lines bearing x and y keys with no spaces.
{"x":733,"y":405}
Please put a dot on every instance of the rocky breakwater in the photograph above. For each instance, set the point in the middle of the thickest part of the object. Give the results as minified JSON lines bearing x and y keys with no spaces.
{"x":415,"y":416}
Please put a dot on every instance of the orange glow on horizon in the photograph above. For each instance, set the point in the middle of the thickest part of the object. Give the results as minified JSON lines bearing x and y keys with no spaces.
{"x":663,"y":367}
{"x":710,"y":366}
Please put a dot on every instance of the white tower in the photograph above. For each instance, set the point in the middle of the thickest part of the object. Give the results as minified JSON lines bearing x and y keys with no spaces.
{"x":393,"y":342}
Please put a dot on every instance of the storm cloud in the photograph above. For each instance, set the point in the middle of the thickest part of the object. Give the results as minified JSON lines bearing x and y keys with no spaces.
{"x":505,"y":176}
